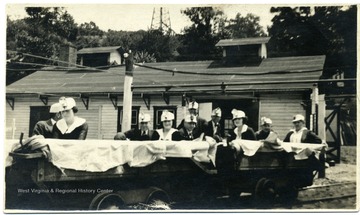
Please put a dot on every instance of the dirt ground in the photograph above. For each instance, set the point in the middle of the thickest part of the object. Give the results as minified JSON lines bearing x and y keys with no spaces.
{"x":345,"y":171}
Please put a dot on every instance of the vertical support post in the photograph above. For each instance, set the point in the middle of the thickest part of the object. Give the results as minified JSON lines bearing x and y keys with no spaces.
{"x":321,"y":117}
{"x":315,"y":108}
{"x":13,"y":129}
{"x":127,"y":98}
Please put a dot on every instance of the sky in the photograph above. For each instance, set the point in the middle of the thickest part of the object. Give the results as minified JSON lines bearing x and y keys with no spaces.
{"x":135,"y":17}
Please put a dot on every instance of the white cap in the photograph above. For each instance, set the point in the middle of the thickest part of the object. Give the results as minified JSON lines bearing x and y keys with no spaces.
{"x":298,"y":117}
{"x":56,"y":108}
{"x":190,"y":118}
{"x":144,"y":117}
{"x":67,"y":103}
{"x":238,"y":114}
{"x":216,"y":112}
{"x":166,"y":115}
{"x":265,"y":120}
{"x":193,"y":105}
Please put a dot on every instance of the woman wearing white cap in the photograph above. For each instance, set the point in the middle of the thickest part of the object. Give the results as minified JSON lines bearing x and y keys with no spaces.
{"x":241,"y":131}
{"x":70,"y":126}
{"x":167,"y":132}
{"x":300,"y":134}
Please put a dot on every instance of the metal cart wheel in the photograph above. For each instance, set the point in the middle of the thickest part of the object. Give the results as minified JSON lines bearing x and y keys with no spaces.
{"x":264,"y":193}
{"x":159,"y":200}
{"x":107,"y":201}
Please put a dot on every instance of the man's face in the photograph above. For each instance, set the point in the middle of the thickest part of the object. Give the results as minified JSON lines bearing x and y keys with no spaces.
{"x":215,"y":119}
{"x":298,"y":125}
{"x":189,"y":126}
{"x":266,"y":127}
{"x":58,"y":116}
{"x":144,"y":126}
{"x":193,"y":111}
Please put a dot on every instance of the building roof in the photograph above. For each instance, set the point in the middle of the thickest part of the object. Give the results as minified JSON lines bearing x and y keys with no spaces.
{"x":243,"y":41}
{"x":178,"y":77}
{"x":94,"y":50}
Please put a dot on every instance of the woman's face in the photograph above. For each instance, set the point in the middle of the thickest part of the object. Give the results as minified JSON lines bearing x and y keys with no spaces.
{"x":298,"y":125}
{"x":68,"y":115}
{"x":238,"y":122}
{"x":167,"y":124}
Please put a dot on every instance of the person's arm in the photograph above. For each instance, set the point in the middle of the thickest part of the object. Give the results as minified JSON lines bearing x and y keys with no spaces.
{"x":176,"y":136}
{"x":252,"y":135}
{"x":314,"y":138}
{"x":83,"y":131}
{"x":155,"y":136}
{"x":37,"y":130}
{"x":287,"y":138}
{"x":56,"y":132}
{"x":130,"y":134}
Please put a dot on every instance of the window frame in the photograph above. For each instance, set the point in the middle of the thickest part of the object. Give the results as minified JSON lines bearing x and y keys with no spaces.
{"x":119,"y":117}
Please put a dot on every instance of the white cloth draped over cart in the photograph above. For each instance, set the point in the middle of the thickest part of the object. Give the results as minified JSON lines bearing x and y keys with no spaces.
{"x":102,"y":155}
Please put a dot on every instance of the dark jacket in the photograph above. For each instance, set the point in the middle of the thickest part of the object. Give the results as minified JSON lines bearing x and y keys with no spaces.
{"x":184,"y":135}
{"x":135,"y":134}
{"x":200,"y":127}
{"x":209,"y":130}
{"x":77,"y":132}
{"x":306,"y":137}
{"x":44,"y":128}
{"x":248,"y":134}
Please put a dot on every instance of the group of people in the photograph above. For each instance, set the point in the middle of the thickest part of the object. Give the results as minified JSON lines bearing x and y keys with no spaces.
{"x":63,"y":122}
{"x":193,"y":127}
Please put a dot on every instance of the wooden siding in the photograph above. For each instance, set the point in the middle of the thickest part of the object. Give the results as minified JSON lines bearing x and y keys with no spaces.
{"x":101,"y":116}
{"x":281,"y":108}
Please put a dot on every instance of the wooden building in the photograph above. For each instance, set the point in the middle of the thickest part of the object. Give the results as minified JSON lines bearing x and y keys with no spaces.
{"x":277,"y":88}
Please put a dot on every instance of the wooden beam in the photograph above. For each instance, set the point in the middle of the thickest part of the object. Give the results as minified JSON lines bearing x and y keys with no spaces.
{"x":166,"y":97}
{"x":114,"y":100}
{"x":44,"y":99}
{"x":86,"y":100}
{"x":11,"y":102}
{"x":146,"y":99}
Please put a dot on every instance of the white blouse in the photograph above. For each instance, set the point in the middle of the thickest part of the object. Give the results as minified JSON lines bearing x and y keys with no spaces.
{"x":168,"y":136}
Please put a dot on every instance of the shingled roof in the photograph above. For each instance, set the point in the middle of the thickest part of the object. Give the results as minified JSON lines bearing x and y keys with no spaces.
{"x":243,"y":41}
{"x":106,"y":49}
{"x":271,"y":74}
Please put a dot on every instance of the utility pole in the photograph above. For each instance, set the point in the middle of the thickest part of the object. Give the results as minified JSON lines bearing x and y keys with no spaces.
{"x":127,"y":97}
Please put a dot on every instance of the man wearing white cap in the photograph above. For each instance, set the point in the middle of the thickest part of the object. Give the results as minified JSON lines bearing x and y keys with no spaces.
{"x":70,"y":126}
{"x":241,"y":131}
{"x":45,"y":128}
{"x":143,"y":132}
{"x":213,"y":128}
{"x":300,"y":134}
{"x":187,"y":131}
{"x":201,"y":123}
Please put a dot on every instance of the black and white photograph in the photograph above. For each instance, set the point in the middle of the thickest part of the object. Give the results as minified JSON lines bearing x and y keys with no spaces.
{"x":180,"y":107}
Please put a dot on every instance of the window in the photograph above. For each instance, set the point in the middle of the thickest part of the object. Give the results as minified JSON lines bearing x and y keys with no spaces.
{"x":134,"y":117}
{"x":38,"y":113}
{"x":228,"y":126}
{"x":157,"y":115}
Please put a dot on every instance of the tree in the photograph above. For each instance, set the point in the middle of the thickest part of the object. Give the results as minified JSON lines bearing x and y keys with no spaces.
{"x":89,"y":35}
{"x":243,"y":27}
{"x":41,"y":33}
{"x":45,"y":30}
{"x":161,"y":45}
{"x":199,"y":39}
{"x":329,"y":31}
